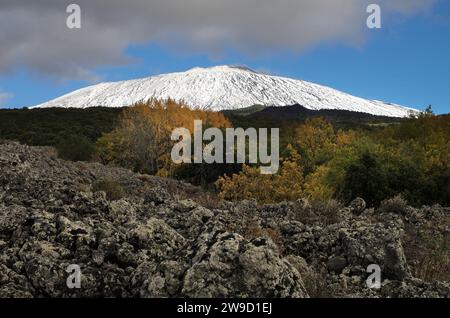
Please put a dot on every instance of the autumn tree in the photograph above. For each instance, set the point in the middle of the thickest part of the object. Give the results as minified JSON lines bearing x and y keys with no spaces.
{"x":287,"y":185}
{"x":315,"y":140}
{"x":142,"y":140}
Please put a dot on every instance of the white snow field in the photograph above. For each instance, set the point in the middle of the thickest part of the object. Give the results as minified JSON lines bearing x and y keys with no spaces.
{"x":223,"y":88}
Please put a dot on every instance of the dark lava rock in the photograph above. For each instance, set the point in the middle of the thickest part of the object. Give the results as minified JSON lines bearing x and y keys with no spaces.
{"x":159,"y":241}
{"x":358,"y":206}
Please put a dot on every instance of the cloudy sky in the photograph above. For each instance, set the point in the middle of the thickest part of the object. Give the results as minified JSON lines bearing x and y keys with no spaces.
{"x":324,"y":41}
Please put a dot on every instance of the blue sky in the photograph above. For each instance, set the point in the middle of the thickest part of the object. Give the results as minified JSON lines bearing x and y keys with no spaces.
{"x":406,"y":62}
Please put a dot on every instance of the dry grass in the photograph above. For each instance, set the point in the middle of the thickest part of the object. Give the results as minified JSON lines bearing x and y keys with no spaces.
{"x":316,"y":284}
{"x":319,"y":212}
{"x":254,"y":230}
{"x":427,"y":250}
{"x":396,"y":205}
{"x":428,"y":255}
{"x":112,"y":188}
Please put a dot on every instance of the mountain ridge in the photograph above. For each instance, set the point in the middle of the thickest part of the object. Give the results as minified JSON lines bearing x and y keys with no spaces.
{"x":224,"y":88}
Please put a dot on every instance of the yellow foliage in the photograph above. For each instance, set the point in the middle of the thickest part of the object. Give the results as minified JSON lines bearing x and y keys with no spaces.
{"x":142,"y":139}
{"x":316,"y":186}
{"x":314,"y":136}
{"x":347,"y":137}
{"x":287,"y":185}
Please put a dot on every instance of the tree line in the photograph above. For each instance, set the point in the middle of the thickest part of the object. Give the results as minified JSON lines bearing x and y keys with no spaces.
{"x":319,"y":159}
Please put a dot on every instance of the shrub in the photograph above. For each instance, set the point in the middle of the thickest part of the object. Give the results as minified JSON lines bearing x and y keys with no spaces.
{"x":328,"y":211}
{"x":315,"y":139}
{"x":287,"y":185}
{"x":76,"y":148}
{"x":318,"y":212}
{"x":316,"y":284}
{"x":428,"y":254}
{"x":111,"y":187}
{"x":254,"y":230}
{"x":366,"y":179}
{"x":316,"y":186}
{"x":379,"y":175}
{"x":396,"y":205}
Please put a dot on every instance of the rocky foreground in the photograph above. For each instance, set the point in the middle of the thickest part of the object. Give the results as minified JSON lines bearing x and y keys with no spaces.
{"x":150,"y":237}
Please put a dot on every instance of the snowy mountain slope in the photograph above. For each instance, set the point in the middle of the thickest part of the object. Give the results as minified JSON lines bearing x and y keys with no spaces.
{"x":224,"y":87}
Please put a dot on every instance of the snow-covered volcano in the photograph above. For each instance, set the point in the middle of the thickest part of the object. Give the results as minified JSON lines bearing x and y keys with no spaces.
{"x":224,"y":87}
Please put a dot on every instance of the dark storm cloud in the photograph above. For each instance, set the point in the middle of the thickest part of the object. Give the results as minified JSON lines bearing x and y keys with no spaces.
{"x":33,"y":34}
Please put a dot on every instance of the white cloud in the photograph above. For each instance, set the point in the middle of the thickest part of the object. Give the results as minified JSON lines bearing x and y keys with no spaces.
{"x":4,"y":97}
{"x":34,"y":33}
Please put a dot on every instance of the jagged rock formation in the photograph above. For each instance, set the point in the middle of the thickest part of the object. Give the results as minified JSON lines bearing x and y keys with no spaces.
{"x":165,"y":239}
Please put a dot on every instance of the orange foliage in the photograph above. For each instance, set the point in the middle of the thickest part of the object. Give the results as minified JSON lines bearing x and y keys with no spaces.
{"x":142,"y":140}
